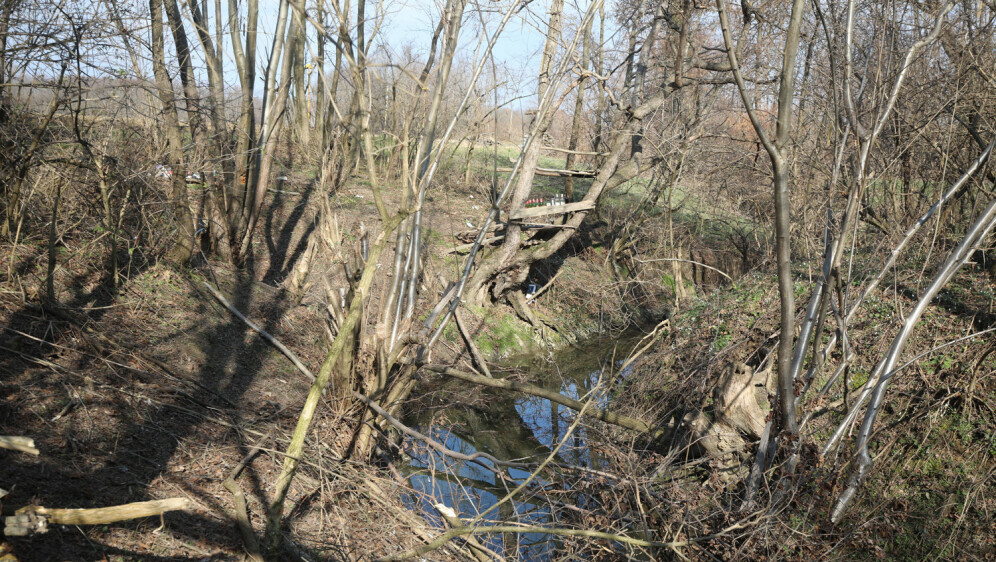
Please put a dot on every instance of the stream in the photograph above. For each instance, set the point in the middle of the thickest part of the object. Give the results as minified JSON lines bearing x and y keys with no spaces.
{"x":512,"y":426}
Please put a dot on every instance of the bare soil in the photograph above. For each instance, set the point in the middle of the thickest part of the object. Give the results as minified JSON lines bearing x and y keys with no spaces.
{"x":152,"y":389}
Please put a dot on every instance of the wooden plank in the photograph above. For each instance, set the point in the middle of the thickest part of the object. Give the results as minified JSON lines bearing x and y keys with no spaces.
{"x":556,"y":173}
{"x":566,"y":151}
{"x":533,"y":212}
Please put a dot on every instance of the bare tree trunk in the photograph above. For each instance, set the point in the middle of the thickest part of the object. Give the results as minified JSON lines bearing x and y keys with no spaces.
{"x":572,"y":144}
{"x":320,"y":102}
{"x":342,"y":15}
{"x":783,"y":220}
{"x":301,"y":116}
{"x":184,"y":247}
{"x":884,"y":371}
{"x":285,"y":42}
{"x":527,"y":170}
{"x":393,"y":383}
{"x":216,"y":189}
{"x":598,"y":143}
{"x":216,"y":229}
{"x":237,"y":204}
{"x":191,"y":96}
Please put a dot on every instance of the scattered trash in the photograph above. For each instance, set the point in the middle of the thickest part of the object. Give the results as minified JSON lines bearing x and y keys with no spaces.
{"x":163,"y":171}
{"x":474,"y":207}
{"x":194,"y":177}
{"x":471,"y":196}
{"x":470,"y":225}
{"x":282,"y":178}
{"x":543,"y":202}
{"x":531,"y":290}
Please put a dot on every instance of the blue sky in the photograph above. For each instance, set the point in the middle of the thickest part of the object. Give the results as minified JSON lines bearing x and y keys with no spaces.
{"x":518,"y":49}
{"x":520,"y":42}
{"x":412,"y":22}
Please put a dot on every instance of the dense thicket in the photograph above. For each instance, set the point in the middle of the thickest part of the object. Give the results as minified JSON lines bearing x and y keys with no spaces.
{"x":836,"y":149}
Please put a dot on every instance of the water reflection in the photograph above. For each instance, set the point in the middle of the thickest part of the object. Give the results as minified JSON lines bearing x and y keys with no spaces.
{"x":513,"y":427}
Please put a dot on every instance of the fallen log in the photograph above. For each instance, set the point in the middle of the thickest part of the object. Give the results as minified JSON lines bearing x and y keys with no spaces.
{"x":18,"y":443}
{"x":475,"y":353}
{"x":35,"y":519}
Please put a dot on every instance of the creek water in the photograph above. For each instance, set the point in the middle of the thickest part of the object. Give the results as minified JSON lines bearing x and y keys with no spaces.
{"x":513,"y":426}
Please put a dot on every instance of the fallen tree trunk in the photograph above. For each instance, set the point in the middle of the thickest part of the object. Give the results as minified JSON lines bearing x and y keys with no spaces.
{"x":35,"y":519}
{"x":18,"y":443}
{"x":469,"y":339}
{"x":535,"y":212}
{"x":468,"y":247}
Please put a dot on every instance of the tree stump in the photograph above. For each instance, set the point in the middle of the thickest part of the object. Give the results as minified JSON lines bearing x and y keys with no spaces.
{"x":736,"y":416}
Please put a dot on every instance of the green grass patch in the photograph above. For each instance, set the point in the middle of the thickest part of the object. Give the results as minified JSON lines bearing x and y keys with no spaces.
{"x":506,"y":334}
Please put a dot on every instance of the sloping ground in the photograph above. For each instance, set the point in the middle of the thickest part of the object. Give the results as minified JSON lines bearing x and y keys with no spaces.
{"x":153,"y":390}
{"x":932,"y":493}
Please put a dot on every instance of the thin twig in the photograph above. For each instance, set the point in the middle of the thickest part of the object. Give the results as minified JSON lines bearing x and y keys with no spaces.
{"x":719,"y":271}
{"x":276,"y":343}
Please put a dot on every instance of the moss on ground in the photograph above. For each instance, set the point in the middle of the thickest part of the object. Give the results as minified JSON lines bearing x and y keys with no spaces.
{"x":504,"y":335}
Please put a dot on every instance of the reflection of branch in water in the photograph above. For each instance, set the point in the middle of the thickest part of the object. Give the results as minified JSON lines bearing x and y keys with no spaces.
{"x":452,"y":477}
{"x":606,"y":416}
{"x":477,"y":456}
{"x":439,"y":447}
{"x":534,"y":504}
{"x":524,"y":486}
{"x":537,"y":494}
{"x":499,"y":428}
{"x":474,"y":523}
